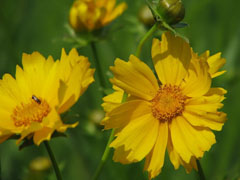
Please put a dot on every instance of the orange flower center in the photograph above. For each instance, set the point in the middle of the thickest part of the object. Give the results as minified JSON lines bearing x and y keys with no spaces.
{"x":34,"y":111}
{"x":168,"y":103}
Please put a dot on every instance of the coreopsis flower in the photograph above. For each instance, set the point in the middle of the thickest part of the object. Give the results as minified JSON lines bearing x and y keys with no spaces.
{"x":32,"y":102}
{"x":89,"y":15}
{"x":175,"y":111}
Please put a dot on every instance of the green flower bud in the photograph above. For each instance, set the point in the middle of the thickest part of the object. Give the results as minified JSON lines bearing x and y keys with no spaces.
{"x":172,"y":11}
{"x":145,"y":16}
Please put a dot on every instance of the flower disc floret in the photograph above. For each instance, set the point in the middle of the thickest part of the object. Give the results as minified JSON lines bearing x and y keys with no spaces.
{"x":168,"y":103}
{"x":25,"y":114}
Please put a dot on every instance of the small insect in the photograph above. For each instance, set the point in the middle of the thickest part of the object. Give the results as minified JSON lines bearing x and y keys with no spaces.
{"x":36,"y":99}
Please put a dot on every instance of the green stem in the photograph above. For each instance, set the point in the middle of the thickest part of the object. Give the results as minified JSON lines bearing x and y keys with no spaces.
{"x":54,"y":162}
{"x":145,"y":38}
{"x":98,"y":66}
{"x":107,"y":149}
{"x":0,"y":168}
{"x":200,"y":171}
{"x":104,"y":157}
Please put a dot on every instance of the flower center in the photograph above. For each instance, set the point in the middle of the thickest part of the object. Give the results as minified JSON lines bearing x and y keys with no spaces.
{"x":168,"y":103}
{"x":34,"y":111}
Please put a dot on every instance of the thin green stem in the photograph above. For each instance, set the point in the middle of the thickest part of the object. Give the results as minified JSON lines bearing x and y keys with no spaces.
{"x":104,"y":157}
{"x":107,"y":149}
{"x":145,"y":38}
{"x":168,"y":27}
{"x":98,"y":66}
{"x":0,"y":167}
{"x":200,"y":171}
{"x":54,"y":162}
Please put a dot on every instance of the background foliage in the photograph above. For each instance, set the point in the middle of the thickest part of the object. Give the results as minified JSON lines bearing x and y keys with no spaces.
{"x":34,"y":25}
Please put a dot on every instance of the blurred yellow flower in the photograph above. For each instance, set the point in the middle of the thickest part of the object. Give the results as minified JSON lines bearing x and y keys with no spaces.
{"x":177,"y":111}
{"x":40,"y":164}
{"x":31,"y":104}
{"x":89,"y":15}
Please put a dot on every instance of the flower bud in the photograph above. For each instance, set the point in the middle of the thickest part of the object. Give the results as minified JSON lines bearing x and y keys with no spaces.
{"x":145,"y":16}
{"x":172,"y":11}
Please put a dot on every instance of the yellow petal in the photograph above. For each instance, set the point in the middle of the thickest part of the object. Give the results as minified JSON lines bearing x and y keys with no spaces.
{"x":4,"y":138}
{"x":75,"y":76}
{"x":213,"y":121}
{"x":41,"y":76}
{"x":173,"y":155}
{"x":6,"y":121}
{"x":28,"y":132}
{"x":42,"y":135}
{"x":49,"y":88}
{"x":215,"y":63}
{"x":138,"y":136}
{"x":114,"y":13}
{"x":121,"y":156}
{"x":72,"y":90}
{"x":63,"y":127}
{"x":32,"y":62}
{"x":109,"y":5}
{"x":126,"y":112}
{"x":52,"y":119}
{"x":67,"y":103}
{"x":217,"y":91}
{"x":135,"y":77}
{"x":171,"y":58}
{"x":205,"y":103}
{"x":204,"y":55}
{"x":10,"y":91}
{"x":190,"y":141}
{"x":176,"y":160}
{"x":189,"y":166}
{"x":112,"y":100}
{"x":198,"y":81}
{"x":77,"y":15}
{"x":179,"y":141}
{"x":202,"y":111}
{"x":155,"y":160}
{"x":23,"y":83}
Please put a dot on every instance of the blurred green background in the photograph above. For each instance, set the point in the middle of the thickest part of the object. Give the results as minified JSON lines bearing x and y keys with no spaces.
{"x":34,"y":25}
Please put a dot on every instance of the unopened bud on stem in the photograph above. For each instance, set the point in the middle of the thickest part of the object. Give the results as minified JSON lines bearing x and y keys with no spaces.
{"x":172,"y":11}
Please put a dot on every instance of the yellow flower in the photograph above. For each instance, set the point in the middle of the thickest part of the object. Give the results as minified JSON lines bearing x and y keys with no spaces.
{"x":89,"y":15}
{"x":31,"y":104}
{"x":177,"y":111}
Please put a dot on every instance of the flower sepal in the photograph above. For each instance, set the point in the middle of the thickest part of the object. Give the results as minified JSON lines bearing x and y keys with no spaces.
{"x":77,"y":40}
{"x":26,"y":142}
{"x":84,"y":38}
{"x":180,"y":25}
